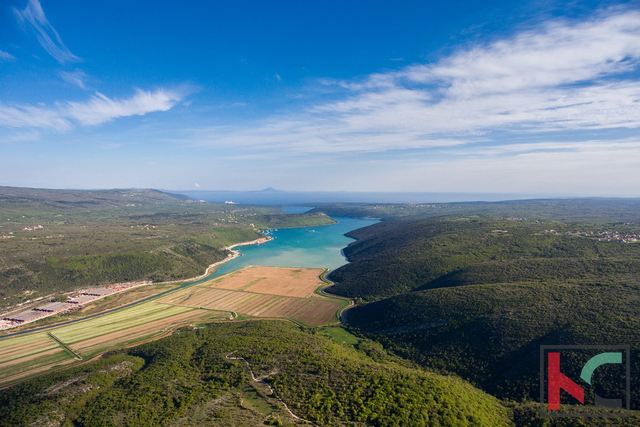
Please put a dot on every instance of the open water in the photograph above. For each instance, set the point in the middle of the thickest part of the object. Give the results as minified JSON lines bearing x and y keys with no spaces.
{"x":299,"y":247}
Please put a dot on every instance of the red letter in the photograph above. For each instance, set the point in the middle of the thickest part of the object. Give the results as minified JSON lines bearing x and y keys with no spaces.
{"x":557,"y":380}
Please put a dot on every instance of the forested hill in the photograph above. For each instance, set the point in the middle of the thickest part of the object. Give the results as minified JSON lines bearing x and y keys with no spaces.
{"x":35,"y":199}
{"x":200,"y":377}
{"x":477,"y":296}
{"x":586,"y":210}
{"x":391,"y":258}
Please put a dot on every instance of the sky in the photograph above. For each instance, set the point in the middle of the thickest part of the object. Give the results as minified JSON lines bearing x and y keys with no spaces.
{"x":527,"y":97}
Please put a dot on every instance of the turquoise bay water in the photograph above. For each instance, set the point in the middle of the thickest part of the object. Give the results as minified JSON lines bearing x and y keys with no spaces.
{"x":300,"y":247}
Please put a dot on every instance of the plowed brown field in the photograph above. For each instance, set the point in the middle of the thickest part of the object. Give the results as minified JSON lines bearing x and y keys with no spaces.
{"x":285,"y":281}
{"x":263,"y":292}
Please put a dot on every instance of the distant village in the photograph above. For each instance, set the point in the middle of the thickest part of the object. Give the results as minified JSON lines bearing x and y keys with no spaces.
{"x":607,"y":236}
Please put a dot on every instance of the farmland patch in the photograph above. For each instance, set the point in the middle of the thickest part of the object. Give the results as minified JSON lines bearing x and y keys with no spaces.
{"x":263,"y":292}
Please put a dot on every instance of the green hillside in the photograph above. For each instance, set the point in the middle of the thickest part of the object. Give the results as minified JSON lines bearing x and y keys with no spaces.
{"x":477,"y":296}
{"x":585,"y":210}
{"x":192,"y":379}
{"x":391,"y":258}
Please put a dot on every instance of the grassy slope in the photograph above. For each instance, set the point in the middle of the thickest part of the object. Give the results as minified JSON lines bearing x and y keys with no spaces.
{"x":187,"y":380}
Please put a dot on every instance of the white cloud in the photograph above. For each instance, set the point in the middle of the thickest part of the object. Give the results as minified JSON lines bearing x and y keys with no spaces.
{"x":559,"y":53}
{"x":6,"y":56}
{"x":99,"y":109}
{"x":47,"y":35}
{"x":564,"y":76}
{"x":74,"y":77}
{"x":27,"y":116}
{"x":593,"y":168}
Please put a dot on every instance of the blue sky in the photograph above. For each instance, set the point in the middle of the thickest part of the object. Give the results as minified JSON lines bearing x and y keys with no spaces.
{"x":524,"y":97}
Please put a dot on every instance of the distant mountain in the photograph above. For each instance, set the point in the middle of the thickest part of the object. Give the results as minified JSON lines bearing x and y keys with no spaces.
{"x":271,"y":196}
{"x":66,"y":200}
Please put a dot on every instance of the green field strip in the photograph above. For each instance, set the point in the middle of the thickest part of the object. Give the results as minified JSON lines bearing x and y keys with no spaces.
{"x":35,"y":364}
{"x":63,"y":345}
{"x":140,"y":335}
{"x":25,"y":345}
{"x":93,"y":330}
{"x":117,"y":321}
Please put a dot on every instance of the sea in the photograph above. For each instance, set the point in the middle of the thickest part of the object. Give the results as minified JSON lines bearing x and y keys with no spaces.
{"x":271,"y":196}
{"x":317,"y":247}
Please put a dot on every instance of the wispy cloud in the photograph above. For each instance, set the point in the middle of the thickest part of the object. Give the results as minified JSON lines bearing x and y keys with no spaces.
{"x":6,"y":56}
{"x":561,"y":76}
{"x":99,"y":109}
{"x":76,"y":77}
{"x":48,"y":37}
{"x":28,"y":116}
{"x":590,"y":168}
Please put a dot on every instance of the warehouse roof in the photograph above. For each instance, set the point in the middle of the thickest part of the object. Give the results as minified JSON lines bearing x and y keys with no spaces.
{"x":54,"y":306}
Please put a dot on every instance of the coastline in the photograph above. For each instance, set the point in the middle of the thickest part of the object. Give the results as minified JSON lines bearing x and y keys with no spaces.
{"x":233,"y":255}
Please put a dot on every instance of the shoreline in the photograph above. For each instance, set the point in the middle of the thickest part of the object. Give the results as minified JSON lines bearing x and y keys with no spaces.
{"x":233,"y":255}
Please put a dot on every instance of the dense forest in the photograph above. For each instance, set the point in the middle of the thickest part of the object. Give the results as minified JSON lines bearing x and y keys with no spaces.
{"x":200,"y":377}
{"x":586,"y":210}
{"x":390,"y":258}
{"x":477,"y":296}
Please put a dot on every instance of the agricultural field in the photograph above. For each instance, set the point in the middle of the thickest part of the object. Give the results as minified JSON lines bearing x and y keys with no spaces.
{"x":28,"y":354}
{"x":253,"y":292}
{"x":263,"y":292}
{"x":290,"y":282}
{"x":25,"y":355}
